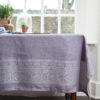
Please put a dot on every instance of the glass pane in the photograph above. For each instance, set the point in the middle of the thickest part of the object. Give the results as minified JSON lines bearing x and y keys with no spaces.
{"x":67,"y":25}
{"x":13,"y":21}
{"x":34,"y":7}
{"x":17,"y":5}
{"x":51,"y":24}
{"x":3,"y":2}
{"x":50,"y":7}
{"x":67,"y":6}
{"x":36,"y":24}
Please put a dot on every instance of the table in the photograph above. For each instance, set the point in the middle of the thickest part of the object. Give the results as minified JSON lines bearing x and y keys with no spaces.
{"x":35,"y":62}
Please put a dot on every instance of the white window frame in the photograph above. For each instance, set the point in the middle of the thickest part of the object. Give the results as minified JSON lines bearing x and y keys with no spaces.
{"x":58,"y":15}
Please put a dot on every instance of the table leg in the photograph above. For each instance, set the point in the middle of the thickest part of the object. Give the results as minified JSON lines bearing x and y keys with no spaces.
{"x":67,"y":96}
{"x":71,"y":96}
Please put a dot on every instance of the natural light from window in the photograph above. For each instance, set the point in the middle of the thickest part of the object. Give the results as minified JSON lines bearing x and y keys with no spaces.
{"x":48,"y":16}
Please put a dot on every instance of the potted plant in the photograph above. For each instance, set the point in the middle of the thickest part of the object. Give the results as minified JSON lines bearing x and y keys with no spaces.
{"x":24,"y":26}
{"x":6,"y":13}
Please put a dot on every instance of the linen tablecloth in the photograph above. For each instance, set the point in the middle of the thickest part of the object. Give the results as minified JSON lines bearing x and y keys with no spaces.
{"x":59,"y":63}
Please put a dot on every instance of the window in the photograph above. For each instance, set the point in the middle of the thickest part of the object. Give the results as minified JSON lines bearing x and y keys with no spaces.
{"x":18,"y":6}
{"x":56,"y":16}
{"x":3,"y":2}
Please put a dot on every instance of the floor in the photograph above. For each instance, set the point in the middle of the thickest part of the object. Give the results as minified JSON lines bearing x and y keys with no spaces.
{"x":38,"y":98}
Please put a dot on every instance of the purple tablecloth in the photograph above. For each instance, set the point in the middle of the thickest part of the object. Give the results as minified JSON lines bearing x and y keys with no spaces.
{"x":44,"y":62}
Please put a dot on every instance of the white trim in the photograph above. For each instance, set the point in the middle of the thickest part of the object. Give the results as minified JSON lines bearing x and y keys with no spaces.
{"x":68,"y":15}
{"x":92,"y":81}
{"x":95,"y":88}
{"x":29,"y":14}
{"x":51,"y":15}
{"x":59,"y":18}
{"x":95,"y":97}
{"x":75,"y":17}
{"x":25,"y":2}
{"x":62,"y":15}
{"x":42,"y":17}
{"x":8,"y":1}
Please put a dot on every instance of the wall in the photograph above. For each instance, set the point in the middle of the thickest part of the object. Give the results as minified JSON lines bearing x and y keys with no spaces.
{"x":95,"y":83}
{"x":86,"y":23}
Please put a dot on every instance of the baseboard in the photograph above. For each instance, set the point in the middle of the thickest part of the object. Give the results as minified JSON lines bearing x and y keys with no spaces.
{"x":95,"y":89}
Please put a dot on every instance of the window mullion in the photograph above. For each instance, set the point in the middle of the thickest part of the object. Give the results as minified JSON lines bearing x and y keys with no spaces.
{"x":42,"y":16}
{"x":59,"y":18}
{"x":25,"y":3}
{"x":8,"y":1}
{"x":75,"y":28}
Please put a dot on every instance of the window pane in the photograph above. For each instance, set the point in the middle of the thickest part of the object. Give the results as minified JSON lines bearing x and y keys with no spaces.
{"x":34,"y":7}
{"x":50,"y":24}
{"x":50,"y":7}
{"x":36,"y":24}
{"x":67,"y":25}
{"x":13,"y":21}
{"x":67,"y":6}
{"x":3,"y":2}
{"x":17,"y":5}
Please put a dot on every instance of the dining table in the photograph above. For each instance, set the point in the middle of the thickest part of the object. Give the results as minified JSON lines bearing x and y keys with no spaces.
{"x":45,"y":62}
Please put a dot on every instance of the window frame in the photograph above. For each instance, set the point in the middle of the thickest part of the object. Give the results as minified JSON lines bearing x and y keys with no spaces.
{"x":42,"y":15}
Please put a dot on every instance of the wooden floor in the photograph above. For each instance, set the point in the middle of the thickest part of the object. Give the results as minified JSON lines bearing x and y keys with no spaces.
{"x":38,"y":98}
